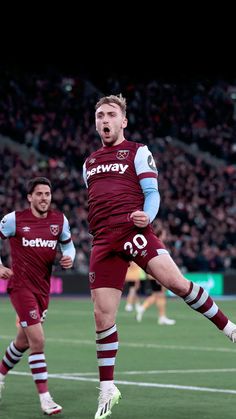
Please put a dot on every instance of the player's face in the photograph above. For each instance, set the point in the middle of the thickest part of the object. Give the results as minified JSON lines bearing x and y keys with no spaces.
{"x":40,"y":200}
{"x":110,"y":124}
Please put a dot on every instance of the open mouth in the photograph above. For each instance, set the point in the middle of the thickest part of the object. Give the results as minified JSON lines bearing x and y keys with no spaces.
{"x":106,"y":130}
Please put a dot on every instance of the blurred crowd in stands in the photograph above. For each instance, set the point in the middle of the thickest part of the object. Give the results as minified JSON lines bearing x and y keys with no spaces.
{"x":50,"y":119}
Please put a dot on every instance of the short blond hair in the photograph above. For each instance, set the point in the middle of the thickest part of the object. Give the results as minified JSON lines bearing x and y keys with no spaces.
{"x":117,"y":99}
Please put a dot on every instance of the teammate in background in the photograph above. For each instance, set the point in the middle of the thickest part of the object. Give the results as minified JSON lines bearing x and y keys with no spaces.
{"x":123,"y":201}
{"x":158,"y":295}
{"x":133,"y":281}
{"x":34,"y":234}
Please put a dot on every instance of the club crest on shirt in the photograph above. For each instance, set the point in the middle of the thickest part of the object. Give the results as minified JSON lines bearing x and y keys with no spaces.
{"x":33,"y":314}
{"x":54,"y":228}
{"x":122,"y":154}
{"x":91,"y":277}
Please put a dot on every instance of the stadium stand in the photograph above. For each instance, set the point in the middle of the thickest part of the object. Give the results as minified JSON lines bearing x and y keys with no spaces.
{"x":47,"y":128}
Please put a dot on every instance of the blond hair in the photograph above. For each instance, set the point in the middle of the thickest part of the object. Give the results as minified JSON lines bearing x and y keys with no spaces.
{"x":117,"y":99}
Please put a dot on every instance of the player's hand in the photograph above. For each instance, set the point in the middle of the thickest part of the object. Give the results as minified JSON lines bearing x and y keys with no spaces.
{"x":5,"y":273}
{"x":140,"y":218}
{"x":66,"y":262}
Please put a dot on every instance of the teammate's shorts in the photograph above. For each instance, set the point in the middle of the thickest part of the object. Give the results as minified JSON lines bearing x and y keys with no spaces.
{"x":30,"y":308}
{"x":155,"y":286}
{"x":113,"y":250}
{"x":131,"y":284}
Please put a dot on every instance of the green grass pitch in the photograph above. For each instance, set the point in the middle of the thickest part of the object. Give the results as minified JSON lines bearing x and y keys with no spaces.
{"x":175,"y":372}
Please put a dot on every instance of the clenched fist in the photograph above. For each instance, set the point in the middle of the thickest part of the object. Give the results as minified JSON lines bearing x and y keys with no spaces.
{"x":5,"y":273}
{"x":140,"y":218}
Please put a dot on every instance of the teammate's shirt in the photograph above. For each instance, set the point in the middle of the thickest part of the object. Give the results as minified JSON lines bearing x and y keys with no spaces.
{"x":33,"y":243}
{"x":113,"y":176}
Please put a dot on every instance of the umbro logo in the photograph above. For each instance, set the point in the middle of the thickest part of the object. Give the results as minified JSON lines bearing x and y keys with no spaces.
{"x":91,"y":161}
{"x":144,"y":253}
{"x":26,"y":229}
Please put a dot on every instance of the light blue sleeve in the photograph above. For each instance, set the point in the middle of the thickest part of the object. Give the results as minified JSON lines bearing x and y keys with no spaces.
{"x":147,"y":173}
{"x":67,"y":248}
{"x":85,"y":174}
{"x":8,"y":225}
{"x":151,"y":197}
{"x":65,"y":234}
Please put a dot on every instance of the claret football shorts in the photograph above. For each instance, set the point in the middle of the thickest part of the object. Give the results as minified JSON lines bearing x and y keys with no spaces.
{"x":115,"y":248}
{"x":31,"y":308}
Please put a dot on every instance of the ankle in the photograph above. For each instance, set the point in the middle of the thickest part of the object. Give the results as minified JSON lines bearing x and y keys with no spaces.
{"x":105,"y":385}
{"x":228,"y":329}
{"x":2,"y":377}
{"x":44,"y":396}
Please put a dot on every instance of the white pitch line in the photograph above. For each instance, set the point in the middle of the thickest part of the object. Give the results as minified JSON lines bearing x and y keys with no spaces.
{"x":138,"y":345}
{"x":137,"y":384}
{"x":190,"y":371}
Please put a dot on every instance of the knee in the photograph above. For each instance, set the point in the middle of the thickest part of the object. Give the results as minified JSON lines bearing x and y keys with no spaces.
{"x":181,"y":287}
{"x":103,"y":318}
{"x":21,"y":343}
{"x":22,"y":346}
{"x":37,"y":344}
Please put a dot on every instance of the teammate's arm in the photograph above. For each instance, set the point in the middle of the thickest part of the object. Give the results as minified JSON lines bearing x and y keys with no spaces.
{"x":85,"y":174}
{"x":7,"y":229}
{"x":68,"y":255}
{"x":67,"y":246}
{"x":5,"y":273}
